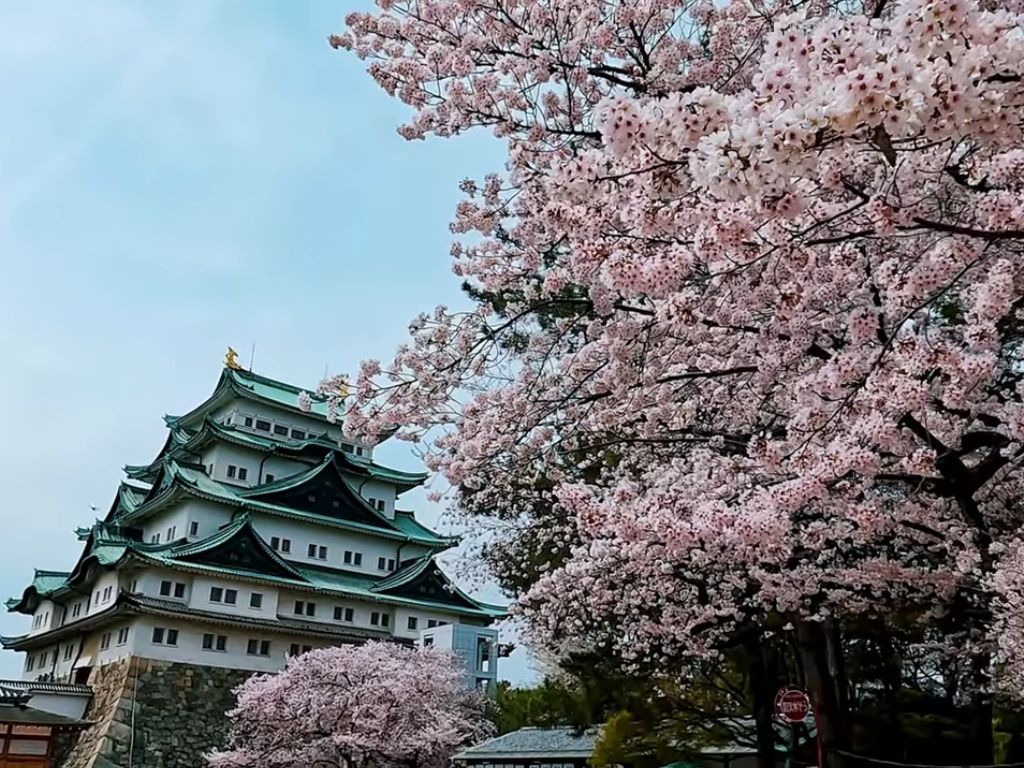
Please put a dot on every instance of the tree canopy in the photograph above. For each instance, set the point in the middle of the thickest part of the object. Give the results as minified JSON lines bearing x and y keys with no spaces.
{"x":745,"y":356}
{"x":378,"y":704}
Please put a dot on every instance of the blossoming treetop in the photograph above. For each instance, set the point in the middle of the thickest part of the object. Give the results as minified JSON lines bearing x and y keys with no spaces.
{"x":753,"y":272}
{"x":377,"y":704}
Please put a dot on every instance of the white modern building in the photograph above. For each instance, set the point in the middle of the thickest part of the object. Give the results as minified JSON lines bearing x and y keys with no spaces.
{"x":260,"y":531}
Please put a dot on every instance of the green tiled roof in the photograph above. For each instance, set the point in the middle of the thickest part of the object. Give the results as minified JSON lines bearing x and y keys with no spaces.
{"x":184,"y":440}
{"x":44,"y":584}
{"x":175,"y":478}
{"x":237,"y":551}
{"x":140,"y":604}
{"x":252,"y":386}
{"x":408,"y":524}
{"x":108,"y":547}
{"x":427,"y":566}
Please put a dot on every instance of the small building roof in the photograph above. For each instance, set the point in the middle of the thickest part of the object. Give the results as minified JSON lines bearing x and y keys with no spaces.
{"x":41,"y":686}
{"x":535,"y":743}
{"x":22,"y":714}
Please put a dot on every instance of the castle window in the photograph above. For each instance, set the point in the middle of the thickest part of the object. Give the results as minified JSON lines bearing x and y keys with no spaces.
{"x":305,"y":607}
{"x":216,"y":594}
{"x":262,"y":425}
{"x":344,"y":614}
{"x":215,"y":642}
{"x":122,"y":636}
{"x":178,"y":588}
{"x":412,"y":622}
{"x":68,"y":651}
{"x":380,"y":505}
{"x":275,"y":542}
{"x":379,"y":619}
{"x":270,"y":478}
{"x":243,"y":473}
{"x":382,"y":563}
{"x":346,"y":448}
{"x":105,"y":641}
{"x":193,"y":528}
{"x":163,"y":636}
{"x":427,"y":642}
{"x":171,"y":532}
{"x":256,"y":600}
{"x":230,"y":596}
{"x":248,"y":421}
{"x":258,"y":648}
{"x":431,"y":623}
{"x":298,"y":434}
{"x":311,"y":550}
{"x":232,"y":469}
{"x":286,"y":545}
{"x":353,"y":558}
{"x":280,"y":430}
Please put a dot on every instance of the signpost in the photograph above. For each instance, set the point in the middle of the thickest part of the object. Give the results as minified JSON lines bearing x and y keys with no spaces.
{"x":793,"y":706}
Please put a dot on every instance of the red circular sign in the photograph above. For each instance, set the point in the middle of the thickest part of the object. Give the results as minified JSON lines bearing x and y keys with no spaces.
{"x":792,"y":705}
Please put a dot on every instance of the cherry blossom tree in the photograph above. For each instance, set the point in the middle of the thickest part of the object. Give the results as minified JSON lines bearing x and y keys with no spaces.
{"x":378,"y":704}
{"x":749,"y":317}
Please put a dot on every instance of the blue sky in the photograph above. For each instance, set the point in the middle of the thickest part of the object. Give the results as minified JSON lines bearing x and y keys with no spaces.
{"x":175,"y":178}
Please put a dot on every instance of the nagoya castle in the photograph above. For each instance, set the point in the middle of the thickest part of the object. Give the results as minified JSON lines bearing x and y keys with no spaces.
{"x":258,"y":532}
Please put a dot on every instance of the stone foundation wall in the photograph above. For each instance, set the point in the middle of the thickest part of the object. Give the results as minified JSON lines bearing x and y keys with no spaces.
{"x":154,"y":714}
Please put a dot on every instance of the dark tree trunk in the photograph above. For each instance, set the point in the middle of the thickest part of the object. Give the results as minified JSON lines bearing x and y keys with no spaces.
{"x":980,"y":734}
{"x":763,"y":667}
{"x":831,"y":719}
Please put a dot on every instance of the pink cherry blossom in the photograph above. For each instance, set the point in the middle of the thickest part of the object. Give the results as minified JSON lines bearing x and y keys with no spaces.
{"x":378,"y":704}
{"x":759,"y":280}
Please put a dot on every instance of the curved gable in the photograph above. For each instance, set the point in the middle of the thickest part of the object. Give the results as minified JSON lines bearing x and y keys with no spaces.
{"x":321,"y":491}
{"x":424,"y":580}
{"x":238,"y":547}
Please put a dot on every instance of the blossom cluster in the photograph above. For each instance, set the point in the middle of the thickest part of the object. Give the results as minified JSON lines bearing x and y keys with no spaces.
{"x":759,"y":280}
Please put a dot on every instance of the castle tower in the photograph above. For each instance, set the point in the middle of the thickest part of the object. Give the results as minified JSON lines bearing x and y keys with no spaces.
{"x":258,"y":532}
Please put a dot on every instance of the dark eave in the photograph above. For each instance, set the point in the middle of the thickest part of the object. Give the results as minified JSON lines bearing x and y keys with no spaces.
{"x":131,"y":604}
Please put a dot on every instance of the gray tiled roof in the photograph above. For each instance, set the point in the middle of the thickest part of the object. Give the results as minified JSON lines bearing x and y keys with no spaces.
{"x":22,"y":715}
{"x":535,"y":742}
{"x":39,"y":686}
